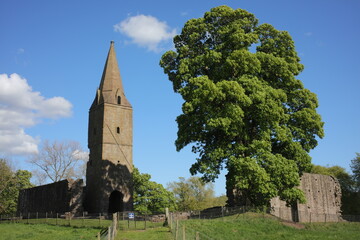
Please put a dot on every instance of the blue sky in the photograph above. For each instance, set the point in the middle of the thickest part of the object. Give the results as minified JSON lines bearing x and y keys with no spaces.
{"x":52,"y":55}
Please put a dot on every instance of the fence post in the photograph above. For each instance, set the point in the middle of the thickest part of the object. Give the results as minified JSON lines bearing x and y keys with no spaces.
{"x":45,"y":217}
{"x":28,"y":218}
{"x":109,"y":233}
{"x":116,"y":222}
{"x":99,"y":219}
{"x":37,"y":217}
{"x":197,"y":236}
{"x":98,"y":235}
{"x":176,"y":229}
{"x":183,"y":232}
{"x":57,"y":218}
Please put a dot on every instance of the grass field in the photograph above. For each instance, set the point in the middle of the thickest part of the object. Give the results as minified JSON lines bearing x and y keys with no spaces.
{"x":44,"y":232}
{"x":91,"y":223}
{"x":259,"y":226}
{"x":79,"y":229}
{"x":160,"y":233}
{"x":237,"y":227}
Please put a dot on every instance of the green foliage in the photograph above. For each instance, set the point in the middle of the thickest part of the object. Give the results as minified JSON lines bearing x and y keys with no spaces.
{"x":10,"y":184}
{"x":150,"y":197}
{"x":243,"y":108}
{"x":194,"y":194}
{"x":354,"y":197}
{"x":355,"y":167}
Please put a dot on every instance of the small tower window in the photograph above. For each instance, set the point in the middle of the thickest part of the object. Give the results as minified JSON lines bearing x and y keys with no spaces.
{"x":119,"y":100}
{"x":118,"y":130}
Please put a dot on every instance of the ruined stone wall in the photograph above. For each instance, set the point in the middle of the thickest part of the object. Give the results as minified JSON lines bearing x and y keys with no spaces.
{"x":323,"y":201}
{"x":60,"y":197}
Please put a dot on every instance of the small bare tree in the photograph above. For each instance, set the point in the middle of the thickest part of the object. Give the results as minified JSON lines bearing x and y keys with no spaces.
{"x":58,"y":160}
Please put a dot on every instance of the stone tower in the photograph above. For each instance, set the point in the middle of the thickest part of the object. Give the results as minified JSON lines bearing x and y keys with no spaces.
{"x":108,"y":175}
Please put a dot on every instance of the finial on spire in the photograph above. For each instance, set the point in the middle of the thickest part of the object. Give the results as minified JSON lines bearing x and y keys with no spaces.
{"x":112,"y":42}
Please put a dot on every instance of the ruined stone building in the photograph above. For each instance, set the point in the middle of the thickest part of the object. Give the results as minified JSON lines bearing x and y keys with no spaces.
{"x":59,"y":197}
{"x":108,"y":173}
{"x":323,"y":201}
{"x":109,"y":169}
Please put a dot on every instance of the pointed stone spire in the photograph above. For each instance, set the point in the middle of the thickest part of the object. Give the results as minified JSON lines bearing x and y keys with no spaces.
{"x":111,"y":89}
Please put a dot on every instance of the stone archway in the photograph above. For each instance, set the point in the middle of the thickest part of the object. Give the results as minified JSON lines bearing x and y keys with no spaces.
{"x":116,"y":202}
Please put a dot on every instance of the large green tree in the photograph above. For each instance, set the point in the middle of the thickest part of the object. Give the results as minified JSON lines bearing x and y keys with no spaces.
{"x":149,"y":196}
{"x":195,"y":194}
{"x":10,"y":184}
{"x":244,"y":109}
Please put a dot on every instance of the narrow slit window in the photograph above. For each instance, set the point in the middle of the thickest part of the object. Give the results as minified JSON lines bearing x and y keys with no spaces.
{"x":119,"y":100}
{"x":118,"y":130}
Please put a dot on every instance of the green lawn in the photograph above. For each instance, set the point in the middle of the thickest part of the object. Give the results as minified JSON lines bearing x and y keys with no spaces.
{"x":44,"y":232}
{"x":160,"y":233}
{"x":80,"y":229}
{"x":259,"y":226}
{"x":138,"y":225}
{"x":91,"y":223}
{"x":237,"y":227}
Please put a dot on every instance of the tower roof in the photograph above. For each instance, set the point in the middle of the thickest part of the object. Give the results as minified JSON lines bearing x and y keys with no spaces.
{"x":111,"y":83}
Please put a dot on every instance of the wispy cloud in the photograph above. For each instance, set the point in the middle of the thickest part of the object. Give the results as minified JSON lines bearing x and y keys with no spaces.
{"x":21,"y":107}
{"x":20,"y":51}
{"x":146,"y":31}
{"x":308,"y":34}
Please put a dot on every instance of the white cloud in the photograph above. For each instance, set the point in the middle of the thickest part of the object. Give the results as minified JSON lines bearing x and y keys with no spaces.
{"x":20,"y":51}
{"x":81,"y":155}
{"x":146,"y":31}
{"x":21,"y":107}
{"x":308,"y":34}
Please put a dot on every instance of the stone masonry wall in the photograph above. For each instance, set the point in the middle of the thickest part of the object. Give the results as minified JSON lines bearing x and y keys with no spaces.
{"x":323,"y":201}
{"x":63,"y":196}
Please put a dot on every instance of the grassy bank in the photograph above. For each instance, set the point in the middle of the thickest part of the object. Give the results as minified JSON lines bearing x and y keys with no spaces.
{"x":44,"y":232}
{"x":262,"y":226}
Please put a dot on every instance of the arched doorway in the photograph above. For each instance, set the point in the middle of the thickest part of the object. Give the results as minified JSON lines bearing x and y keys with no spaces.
{"x":116,"y":202}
